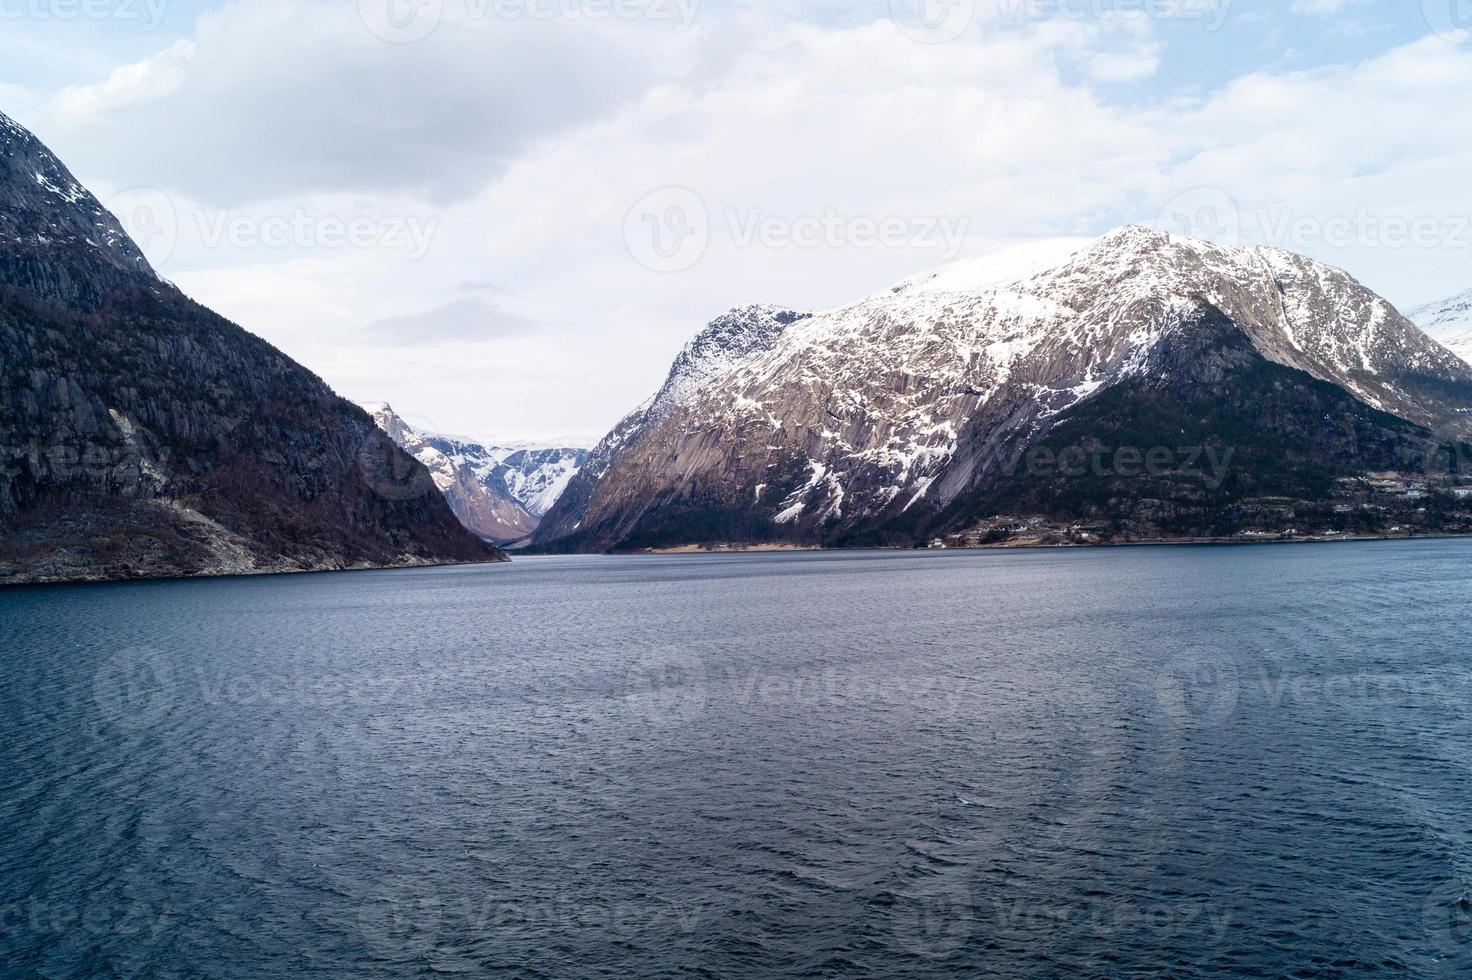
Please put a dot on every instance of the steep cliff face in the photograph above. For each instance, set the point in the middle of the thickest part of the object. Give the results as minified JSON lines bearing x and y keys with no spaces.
{"x":898,"y":415}
{"x":482,"y":505}
{"x":142,"y":435}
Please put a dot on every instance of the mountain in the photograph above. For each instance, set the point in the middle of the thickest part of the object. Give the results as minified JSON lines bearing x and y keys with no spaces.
{"x":1449,"y":322}
{"x":534,"y":476}
{"x":483,"y":506}
{"x":500,"y":492}
{"x":724,"y":345}
{"x":142,"y":435}
{"x":946,"y":401}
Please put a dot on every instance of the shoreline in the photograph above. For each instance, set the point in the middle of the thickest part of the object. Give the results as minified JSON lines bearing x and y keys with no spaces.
{"x":733,"y":548}
{"x":259,"y":573}
{"x":1214,"y":541}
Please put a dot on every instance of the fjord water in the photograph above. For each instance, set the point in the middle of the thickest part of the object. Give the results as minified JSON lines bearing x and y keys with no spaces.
{"x":1098,"y":763}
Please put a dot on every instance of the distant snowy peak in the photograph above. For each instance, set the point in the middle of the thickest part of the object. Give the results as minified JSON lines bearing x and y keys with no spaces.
{"x":533,"y":476}
{"x":539,"y":477}
{"x":1449,"y":322}
{"x":1456,"y":311}
{"x":42,"y":205}
{"x":479,"y":504}
{"x":441,"y":469}
{"x":530,"y":476}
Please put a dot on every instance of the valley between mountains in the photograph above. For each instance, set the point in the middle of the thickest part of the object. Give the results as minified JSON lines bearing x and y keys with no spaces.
{"x":1138,"y":386}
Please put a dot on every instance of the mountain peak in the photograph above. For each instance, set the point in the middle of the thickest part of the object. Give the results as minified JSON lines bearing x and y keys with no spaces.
{"x":1137,"y":235}
{"x":43,"y":207}
{"x":731,"y":339}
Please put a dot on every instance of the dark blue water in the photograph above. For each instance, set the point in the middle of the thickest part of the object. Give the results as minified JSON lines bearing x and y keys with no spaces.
{"x":1176,"y":762}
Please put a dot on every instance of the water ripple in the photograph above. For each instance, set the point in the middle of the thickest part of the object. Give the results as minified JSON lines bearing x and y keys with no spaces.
{"x":1183,"y":762}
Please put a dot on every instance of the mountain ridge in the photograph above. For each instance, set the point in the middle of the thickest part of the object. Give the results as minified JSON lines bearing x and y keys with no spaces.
{"x":913,"y":397}
{"x":1449,"y":322}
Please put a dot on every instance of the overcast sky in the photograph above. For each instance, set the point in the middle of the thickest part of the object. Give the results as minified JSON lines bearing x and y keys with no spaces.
{"x":506,"y":216}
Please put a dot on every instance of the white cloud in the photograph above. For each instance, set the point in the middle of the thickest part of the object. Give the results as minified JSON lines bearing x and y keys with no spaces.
{"x":466,"y":320}
{"x":1321,"y":8}
{"x":1014,"y":132}
{"x":276,"y":97}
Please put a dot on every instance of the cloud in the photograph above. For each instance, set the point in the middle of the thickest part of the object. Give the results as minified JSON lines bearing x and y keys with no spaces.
{"x":1108,"y":66}
{"x":1016,"y":130}
{"x":1322,"y":8}
{"x":273,"y":98}
{"x":465,"y":320}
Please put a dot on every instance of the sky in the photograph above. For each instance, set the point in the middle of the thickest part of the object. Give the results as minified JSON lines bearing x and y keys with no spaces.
{"x":505,"y":217}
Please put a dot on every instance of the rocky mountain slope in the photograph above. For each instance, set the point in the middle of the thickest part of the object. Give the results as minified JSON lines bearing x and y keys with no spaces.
{"x":1449,"y":322}
{"x":534,"y":476}
{"x":481,"y":504}
{"x":142,"y":435}
{"x":724,"y":345}
{"x":913,"y":412}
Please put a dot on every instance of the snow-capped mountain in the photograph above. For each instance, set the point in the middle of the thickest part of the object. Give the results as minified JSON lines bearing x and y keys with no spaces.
{"x":534,"y":476}
{"x":538,"y":476}
{"x":724,"y":345}
{"x":1449,"y":322}
{"x":901,"y":414}
{"x":494,"y":516}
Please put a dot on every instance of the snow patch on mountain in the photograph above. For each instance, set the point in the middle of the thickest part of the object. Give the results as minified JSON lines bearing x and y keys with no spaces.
{"x":532,"y":475}
{"x":482,"y":506}
{"x":1012,"y":263}
{"x":57,"y":208}
{"x":1449,"y":322}
{"x":725,"y":344}
{"x":728,"y":342}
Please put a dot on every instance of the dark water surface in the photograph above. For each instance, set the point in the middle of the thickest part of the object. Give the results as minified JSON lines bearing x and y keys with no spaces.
{"x":1176,"y":762}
